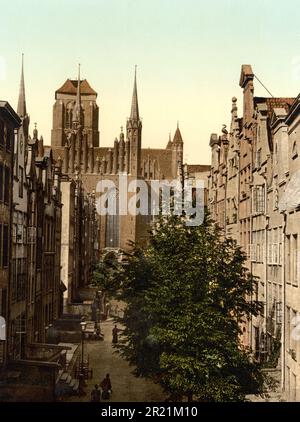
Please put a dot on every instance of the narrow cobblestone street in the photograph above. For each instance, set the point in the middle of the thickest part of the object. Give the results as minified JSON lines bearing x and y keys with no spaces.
{"x":126,"y":387}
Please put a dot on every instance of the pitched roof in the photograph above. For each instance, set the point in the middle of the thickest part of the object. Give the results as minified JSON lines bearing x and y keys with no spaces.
{"x":163,"y":158}
{"x":273,"y":102}
{"x":70,"y":87}
{"x":177,"y":137}
{"x":10,"y":113}
{"x":197,"y":168}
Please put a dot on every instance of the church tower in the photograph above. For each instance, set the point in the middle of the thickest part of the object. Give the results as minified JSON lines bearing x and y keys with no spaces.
{"x":134,"y":134}
{"x":177,"y":151}
{"x":75,"y":104}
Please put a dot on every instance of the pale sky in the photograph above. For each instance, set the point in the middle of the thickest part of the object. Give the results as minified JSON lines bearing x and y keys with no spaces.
{"x":188,"y":53}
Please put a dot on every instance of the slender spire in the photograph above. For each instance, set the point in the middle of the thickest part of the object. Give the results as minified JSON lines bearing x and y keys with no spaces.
{"x":78,"y":85}
{"x":78,"y":99}
{"x":22,"y":101}
{"x":134,"y":115}
{"x":169,"y":144}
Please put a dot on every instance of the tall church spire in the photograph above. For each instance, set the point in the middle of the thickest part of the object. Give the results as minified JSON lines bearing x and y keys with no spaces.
{"x":134,"y":115}
{"x":77,"y":108}
{"x":21,"y":110}
{"x":134,"y":134}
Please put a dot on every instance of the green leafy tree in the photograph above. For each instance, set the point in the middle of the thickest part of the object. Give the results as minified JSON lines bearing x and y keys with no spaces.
{"x":186,"y":297}
{"x":106,"y":274}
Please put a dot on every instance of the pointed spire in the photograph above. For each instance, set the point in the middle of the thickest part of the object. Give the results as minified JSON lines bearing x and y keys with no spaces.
{"x":78,"y":85}
{"x":177,"y":136}
{"x":134,"y":115}
{"x":22,"y":101}
{"x":77,"y":109}
{"x":169,"y":144}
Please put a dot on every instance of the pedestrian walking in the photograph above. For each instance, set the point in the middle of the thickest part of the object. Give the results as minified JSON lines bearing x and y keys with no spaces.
{"x":95,"y":394}
{"x":107,"y":309}
{"x":106,"y":387}
{"x":115,"y":334}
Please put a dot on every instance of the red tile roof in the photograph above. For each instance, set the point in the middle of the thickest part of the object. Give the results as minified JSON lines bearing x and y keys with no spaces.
{"x":70,"y":87}
{"x":279,"y":102}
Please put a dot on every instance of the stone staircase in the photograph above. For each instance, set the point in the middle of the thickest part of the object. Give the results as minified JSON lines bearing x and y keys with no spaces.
{"x":65,"y":384}
{"x":271,"y":396}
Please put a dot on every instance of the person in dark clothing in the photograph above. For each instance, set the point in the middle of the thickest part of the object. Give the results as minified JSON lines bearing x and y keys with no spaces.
{"x":106,"y":387}
{"x":115,"y":334}
{"x":95,"y":394}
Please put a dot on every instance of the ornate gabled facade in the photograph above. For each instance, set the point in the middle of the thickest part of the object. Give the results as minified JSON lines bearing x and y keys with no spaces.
{"x":266,"y":184}
{"x":19,"y":263}
{"x":9,"y":122}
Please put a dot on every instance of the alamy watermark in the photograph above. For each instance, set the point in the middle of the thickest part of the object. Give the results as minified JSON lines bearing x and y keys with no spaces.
{"x":138,"y":197}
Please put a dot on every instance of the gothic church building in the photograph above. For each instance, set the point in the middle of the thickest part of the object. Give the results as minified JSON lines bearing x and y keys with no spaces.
{"x":76,"y":144}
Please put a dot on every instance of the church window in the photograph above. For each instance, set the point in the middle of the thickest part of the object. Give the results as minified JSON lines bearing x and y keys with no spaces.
{"x":112,"y":229}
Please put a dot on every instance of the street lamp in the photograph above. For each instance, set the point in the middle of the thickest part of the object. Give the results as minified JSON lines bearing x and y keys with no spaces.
{"x":83,"y":327}
{"x":81,"y":371}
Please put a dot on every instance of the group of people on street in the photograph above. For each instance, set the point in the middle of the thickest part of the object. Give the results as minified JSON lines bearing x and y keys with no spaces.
{"x":106,"y":388}
{"x":105,"y":384}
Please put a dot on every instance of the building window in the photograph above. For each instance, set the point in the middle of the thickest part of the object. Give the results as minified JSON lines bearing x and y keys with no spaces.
{"x":8,"y":137}
{"x":21,"y":182}
{"x":5,"y":247}
{"x":288,"y":328}
{"x":258,"y":199}
{"x":288,"y":258}
{"x":7,"y":183}
{"x":295,"y":259}
{"x":258,"y":159}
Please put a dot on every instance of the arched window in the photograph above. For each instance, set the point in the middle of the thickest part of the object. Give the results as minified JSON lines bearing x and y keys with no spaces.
{"x":69,"y":115}
{"x":112,"y":222}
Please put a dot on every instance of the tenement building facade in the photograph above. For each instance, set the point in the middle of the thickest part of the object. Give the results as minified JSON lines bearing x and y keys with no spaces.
{"x":9,"y":123}
{"x":254,"y":196}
